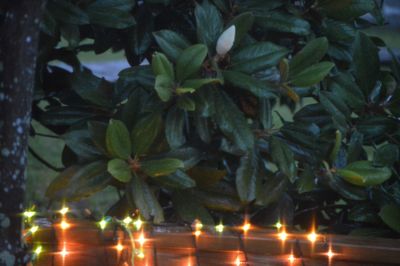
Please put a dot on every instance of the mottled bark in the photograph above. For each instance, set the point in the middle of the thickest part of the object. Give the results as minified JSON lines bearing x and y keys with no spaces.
{"x":19,"y":32}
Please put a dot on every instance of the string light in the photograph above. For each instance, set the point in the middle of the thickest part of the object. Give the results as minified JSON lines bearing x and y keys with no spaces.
{"x":34,"y":229}
{"x":103,"y":224}
{"x":29,"y":214}
{"x":219,"y":228}
{"x":64,"y":225}
{"x":330,"y":254}
{"x":138,"y":223}
{"x":64,"y":251}
{"x":291,"y":259}
{"x":246,"y":227}
{"x":64,"y":211}
{"x":38,"y":250}
{"x":197,"y":233}
{"x":283,"y":235}
{"x":140,"y":254}
{"x":119,"y":247}
{"x":278,"y":225}
{"x":312,"y":237}
{"x":128,"y":220}
{"x":198,"y":225}
{"x":141,"y":240}
{"x":237,"y":261}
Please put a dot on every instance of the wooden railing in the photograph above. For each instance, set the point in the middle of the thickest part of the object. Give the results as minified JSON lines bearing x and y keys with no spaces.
{"x":84,"y":244}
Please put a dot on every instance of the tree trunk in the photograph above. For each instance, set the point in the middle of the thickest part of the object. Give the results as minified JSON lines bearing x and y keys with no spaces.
{"x":19,"y":32}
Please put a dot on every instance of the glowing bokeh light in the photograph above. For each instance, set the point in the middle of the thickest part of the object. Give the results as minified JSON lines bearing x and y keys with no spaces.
{"x":278,"y":225}
{"x":34,"y":229}
{"x":64,"y":225}
{"x":140,"y":254}
{"x":38,"y":250}
{"x":330,"y":254}
{"x":64,"y":210}
{"x":291,"y":259}
{"x":64,"y":251}
{"x":127,"y":221}
{"x":198,"y":225}
{"x":283,"y":235}
{"x":103,"y":224}
{"x":246,"y":227}
{"x":237,"y":261}
{"x":29,"y":214}
{"x":197,"y":233}
{"x":138,"y":223}
{"x":141,"y":240}
{"x":219,"y":228}
{"x":312,"y":237}
{"x":119,"y":247}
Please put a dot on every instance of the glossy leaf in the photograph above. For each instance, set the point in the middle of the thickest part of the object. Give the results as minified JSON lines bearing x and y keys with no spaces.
{"x":162,"y":66}
{"x":117,"y":140}
{"x":312,"y":75}
{"x":283,"y":156}
{"x":120,"y":170}
{"x":145,"y":132}
{"x":171,"y":43}
{"x":161,"y":167}
{"x":190,"y":61}
{"x":174,"y":128}
{"x":363,"y":173}
{"x":209,"y":23}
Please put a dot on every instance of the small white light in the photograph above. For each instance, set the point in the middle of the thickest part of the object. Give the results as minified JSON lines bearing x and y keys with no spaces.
{"x":29,"y":214}
{"x":219,"y":228}
{"x":138,"y":223}
{"x":34,"y":229}
{"x":64,"y":225}
{"x":64,"y":210}
{"x":38,"y":250}
{"x":128,"y":220}
{"x":103,"y":224}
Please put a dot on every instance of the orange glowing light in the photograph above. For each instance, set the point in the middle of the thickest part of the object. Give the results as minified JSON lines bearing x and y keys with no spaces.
{"x":119,"y":247}
{"x":246,"y":227}
{"x":141,"y":240}
{"x":64,"y":252}
{"x":283,"y":235}
{"x":291,"y":259}
{"x":197,"y":233}
{"x":312,"y":237}
{"x":64,"y":210}
{"x":237,"y":261}
{"x":64,"y":225}
{"x":330,"y":254}
{"x":140,"y":254}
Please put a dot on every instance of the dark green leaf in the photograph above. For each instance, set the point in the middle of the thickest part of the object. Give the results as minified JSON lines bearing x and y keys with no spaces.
{"x":246,"y":177}
{"x":336,"y":107}
{"x":363,"y":173}
{"x":67,"y":12}
{"x":386,"y":155}
{"x":164,"y":87}
{"x":145,"y":132}
{"x":171,"y":43}
{"x":174,"y":127}
{"x":257,"y":87}
{"x":143,"y":197}
{"x":311,"y":54}
{"x":112,"y":13}
{"x":190,"y":61}
{"x":272,"y":190}
{"x":197,"y":83}
{"x":281,"y":22}
{"x":186,"y":103}
{"x":77,"y":182}
{"x":177,"y":180}
{"x":243,"y":24}
{"x":209,"y":24}
{"x":258,"y":56}
{"x":117,"y":140}
{"x":162,"y":66}
{"x":120,"y":170}
{"x":366,"y":62}
{"x":312,"y":75}
{"x":189,"y":208}
{"x":283,"y":156}
{"x":161,"y":167}
{"x":390,"y":214}
{"x":93,"y":89}
{"x":231,"y":121}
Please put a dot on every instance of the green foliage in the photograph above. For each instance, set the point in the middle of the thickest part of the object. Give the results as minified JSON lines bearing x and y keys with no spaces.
{"x":196,"y":129}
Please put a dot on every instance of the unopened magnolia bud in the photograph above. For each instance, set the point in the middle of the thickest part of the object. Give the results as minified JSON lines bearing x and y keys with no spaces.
{"x":226,"y":40}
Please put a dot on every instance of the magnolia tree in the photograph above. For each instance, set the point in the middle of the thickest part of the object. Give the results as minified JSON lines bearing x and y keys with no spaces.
{"x":194,"y":129}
